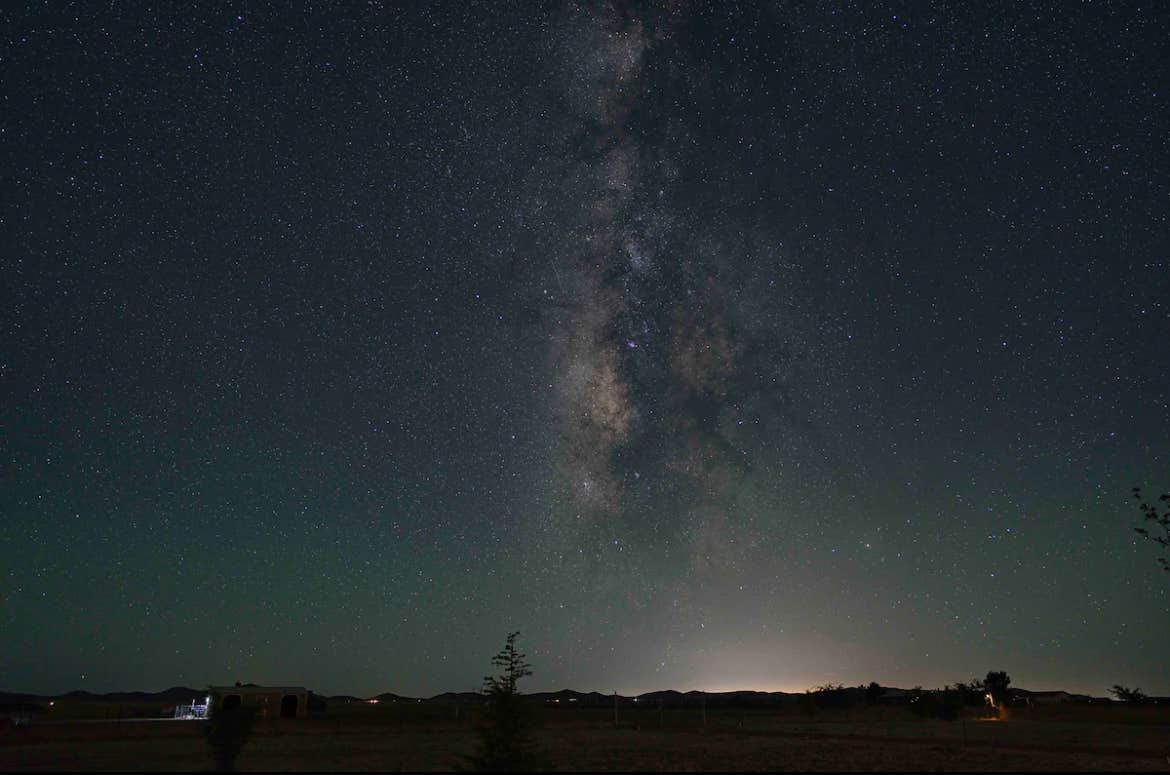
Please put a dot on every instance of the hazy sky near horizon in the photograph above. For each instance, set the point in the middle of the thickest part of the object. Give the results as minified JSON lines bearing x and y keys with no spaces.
{"x":708,"y":345}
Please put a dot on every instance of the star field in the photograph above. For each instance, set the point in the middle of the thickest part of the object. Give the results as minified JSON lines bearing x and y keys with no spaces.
{"x":710,"y":346}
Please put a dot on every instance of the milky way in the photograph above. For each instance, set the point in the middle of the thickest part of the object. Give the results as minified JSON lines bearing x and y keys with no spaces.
{"x":598,"y":408}
{"x":656,"y":376}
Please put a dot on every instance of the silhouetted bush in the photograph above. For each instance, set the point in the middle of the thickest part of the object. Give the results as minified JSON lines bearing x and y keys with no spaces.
{"x":1133,"y":696}
{"x":836,"y":697}
{"x":996,"y":684}
{"x":974,"y":695}
{"x":227,"y":733}
{"x":946,"y":703}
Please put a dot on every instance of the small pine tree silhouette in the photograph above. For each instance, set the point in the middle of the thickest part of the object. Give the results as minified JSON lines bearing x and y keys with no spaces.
{"x":506,"y":743}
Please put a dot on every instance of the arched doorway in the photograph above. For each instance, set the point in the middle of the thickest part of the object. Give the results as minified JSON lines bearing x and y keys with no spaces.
{"x":288,"y":706}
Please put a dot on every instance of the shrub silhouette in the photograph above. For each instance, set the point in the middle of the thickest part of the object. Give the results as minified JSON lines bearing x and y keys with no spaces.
{"x":227,"y":732}
{"x":1133,"y":696}
{"x":972,"y":693}
{"x":996,"y":684}
{"x":505,"y":740}
{"x":837,"y":696}
{"x":946,"y":703}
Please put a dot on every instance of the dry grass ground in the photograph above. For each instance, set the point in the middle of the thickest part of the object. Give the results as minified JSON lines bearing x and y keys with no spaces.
{"x":433,"y":738}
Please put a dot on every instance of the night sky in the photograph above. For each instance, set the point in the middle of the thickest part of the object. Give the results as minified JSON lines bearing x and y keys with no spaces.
{"x":707,"y":345}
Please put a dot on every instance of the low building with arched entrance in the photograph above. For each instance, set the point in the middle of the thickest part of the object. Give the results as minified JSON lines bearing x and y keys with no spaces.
{"x":267,"y":701}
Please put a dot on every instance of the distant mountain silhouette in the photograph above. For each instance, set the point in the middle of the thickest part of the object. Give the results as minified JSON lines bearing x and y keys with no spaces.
{"x":391,"y":697}
{"x":563,"y":697}
{"x":571,"y":697}
{"x":173,"y":694}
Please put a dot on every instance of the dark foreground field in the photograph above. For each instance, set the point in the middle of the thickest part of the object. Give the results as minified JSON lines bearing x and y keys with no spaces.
{"x":360,"y":737}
